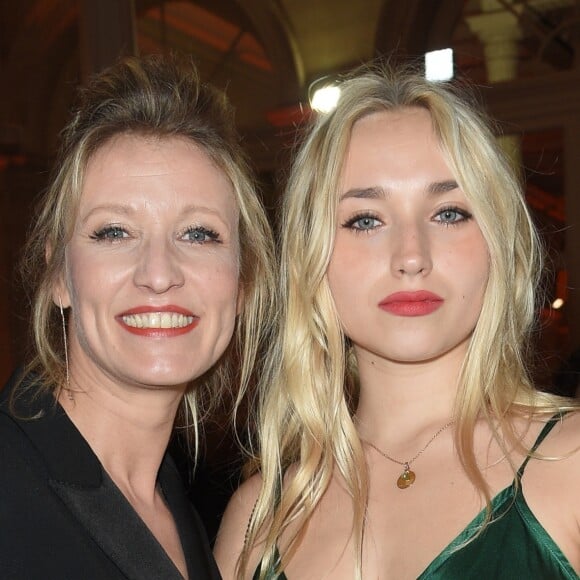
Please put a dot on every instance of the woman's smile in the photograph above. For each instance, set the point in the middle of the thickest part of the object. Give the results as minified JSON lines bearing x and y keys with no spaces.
{"x":152,"y":273}
{"x":166,"y":321}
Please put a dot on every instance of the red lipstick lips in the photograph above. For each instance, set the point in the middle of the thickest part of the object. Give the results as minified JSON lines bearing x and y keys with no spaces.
{"x":419,"y":303}
{"x":158,"y":321}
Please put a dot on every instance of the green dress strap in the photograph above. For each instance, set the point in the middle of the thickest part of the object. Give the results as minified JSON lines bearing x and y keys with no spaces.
{"x":550,"y":424}
{"x":513,"y":545}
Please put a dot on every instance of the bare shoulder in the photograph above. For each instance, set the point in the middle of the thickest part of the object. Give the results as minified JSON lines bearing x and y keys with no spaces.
{"x":563,"y":441}
{"x":559,"y":453}
{"x":551,"y":482}
{"x":232,"y":532}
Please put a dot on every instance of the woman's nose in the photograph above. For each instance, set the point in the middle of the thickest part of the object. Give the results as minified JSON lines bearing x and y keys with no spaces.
{"x":158,"y":267}
{"x":411,"y":254}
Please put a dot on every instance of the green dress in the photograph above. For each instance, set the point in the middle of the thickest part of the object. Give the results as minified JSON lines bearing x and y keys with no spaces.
{"x":515,"y":546}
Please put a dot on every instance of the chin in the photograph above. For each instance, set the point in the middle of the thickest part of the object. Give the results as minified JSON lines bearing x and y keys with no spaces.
{"x":423,"y":356}
{"x":162,"y":377}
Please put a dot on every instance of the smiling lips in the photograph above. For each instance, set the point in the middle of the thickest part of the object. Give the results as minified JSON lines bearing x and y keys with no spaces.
{"x":418,"y":303}
{"x":166,"y":321}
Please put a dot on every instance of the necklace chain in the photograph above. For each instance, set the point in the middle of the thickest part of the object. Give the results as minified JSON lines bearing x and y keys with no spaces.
{"x":407,"y":478}
{"x":386,"y":456}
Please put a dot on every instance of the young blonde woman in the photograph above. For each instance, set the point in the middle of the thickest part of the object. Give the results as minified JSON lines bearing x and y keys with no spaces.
{"x":400,"y":434}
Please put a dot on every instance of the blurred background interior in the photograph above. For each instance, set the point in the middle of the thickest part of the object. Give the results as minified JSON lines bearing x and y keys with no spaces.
{"x":270,"y":56}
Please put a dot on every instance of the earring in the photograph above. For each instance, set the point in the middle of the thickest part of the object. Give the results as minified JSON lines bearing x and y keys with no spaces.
{"x":68,"y":389}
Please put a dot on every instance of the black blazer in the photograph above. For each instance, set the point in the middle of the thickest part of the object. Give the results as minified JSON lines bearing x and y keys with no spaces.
{"x":63,"y":518}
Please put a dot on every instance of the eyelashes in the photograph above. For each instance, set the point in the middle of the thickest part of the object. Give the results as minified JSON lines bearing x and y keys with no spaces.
{"x":201,"y":235}
{"x":109,"y":233}
{"x":363,"y":222}
{"x":367,"y":221}
{"x":193,"y":235}
{"x":452,"y":215}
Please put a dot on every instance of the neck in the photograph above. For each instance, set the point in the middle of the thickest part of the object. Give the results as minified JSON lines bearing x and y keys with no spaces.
{"x":127,"y":428}
{"x":399,"y":401}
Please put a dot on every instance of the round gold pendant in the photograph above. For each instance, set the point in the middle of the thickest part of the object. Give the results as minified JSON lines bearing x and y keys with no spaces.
{"x":406,"y":479}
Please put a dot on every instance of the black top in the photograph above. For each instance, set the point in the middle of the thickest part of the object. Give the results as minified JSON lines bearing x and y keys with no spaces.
{"x":63,"y":518}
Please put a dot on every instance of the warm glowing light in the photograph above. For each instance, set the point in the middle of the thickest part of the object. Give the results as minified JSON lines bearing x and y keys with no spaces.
{"x":325,"y":99}
{"x":557,"y":304}
{"x":439,"y":65}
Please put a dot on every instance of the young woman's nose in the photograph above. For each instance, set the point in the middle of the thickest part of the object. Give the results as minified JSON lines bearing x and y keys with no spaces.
{"x":158,"y":267}
{"x":411,"y":254}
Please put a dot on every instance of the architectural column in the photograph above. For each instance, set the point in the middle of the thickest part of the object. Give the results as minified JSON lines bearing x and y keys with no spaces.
{"x":499,"y":32}
{"x":107,"y":31}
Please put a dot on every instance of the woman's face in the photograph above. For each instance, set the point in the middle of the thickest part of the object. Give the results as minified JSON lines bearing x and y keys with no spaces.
{"x":152,"y":268}
{"x":409,"y":265}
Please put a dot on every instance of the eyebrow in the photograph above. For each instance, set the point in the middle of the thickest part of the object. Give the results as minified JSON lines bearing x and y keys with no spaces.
{"x":442,"y":186}
{"x":364,"y":193}
{"x":434,"y":188}
{"x":114,"y":208}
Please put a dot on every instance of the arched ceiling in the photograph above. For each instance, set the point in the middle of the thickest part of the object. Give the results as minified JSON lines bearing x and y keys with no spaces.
{"x":264,"y":53}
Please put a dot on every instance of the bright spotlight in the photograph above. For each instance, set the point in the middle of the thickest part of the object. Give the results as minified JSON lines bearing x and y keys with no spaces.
{"x":325,"y":99}
{"x":557,"y":304}
{"x":439,"y":65}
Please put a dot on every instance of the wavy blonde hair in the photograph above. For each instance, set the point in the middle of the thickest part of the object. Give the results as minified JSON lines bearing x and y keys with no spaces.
{"x":155,"y":97}
{"x":309,"y":397}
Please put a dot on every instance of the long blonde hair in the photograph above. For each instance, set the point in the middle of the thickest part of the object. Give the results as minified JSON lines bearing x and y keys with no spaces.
{"x":309,"y":396}
{"x":158,"y":97}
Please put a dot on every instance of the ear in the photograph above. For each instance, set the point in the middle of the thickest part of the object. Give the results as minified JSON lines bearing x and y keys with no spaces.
{"x":60,"y":293}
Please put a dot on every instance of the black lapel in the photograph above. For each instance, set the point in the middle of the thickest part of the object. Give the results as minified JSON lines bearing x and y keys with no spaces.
{"x":200,"y":562}
{"x":114,"y":526}
{"x":77,"y":477}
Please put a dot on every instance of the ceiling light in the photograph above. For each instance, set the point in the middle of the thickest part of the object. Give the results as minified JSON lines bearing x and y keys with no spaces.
{"x":439,"y":65}
{"x":325,"y":99}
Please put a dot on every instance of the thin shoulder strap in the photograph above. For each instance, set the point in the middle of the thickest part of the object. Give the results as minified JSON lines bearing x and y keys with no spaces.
{"x":543,"y":434}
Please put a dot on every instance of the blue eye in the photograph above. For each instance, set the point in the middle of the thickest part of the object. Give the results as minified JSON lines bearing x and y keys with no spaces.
{"x":363,"y":223}
{"x":109,"y":233}
{"x":200,"y":235}
{"x":452,"y":215}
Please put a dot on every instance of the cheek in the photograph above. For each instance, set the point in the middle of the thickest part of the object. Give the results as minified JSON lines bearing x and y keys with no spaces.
{"x":337,"y":283}
{"x":474,"y":273}
{"x":221,"y":284}
{"x":222,"y":299}
{"x":91,"y":280}
{"x":467,"y":256}
{"x":343,"y":268}
{"x":348,"y":293}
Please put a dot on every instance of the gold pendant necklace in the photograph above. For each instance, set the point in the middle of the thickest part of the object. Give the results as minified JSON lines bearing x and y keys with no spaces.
{"x":407,"y":478}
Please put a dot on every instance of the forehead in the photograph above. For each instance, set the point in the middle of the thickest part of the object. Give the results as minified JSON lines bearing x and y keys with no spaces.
{"x":393,"y":145}
{"x":397,"y":127}
{"x":140,"y":155}
{"x":169,"y":169}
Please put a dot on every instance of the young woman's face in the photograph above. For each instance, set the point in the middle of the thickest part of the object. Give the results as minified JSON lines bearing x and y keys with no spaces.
{"x":409,"y":265}
{"x":152,"y":268}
